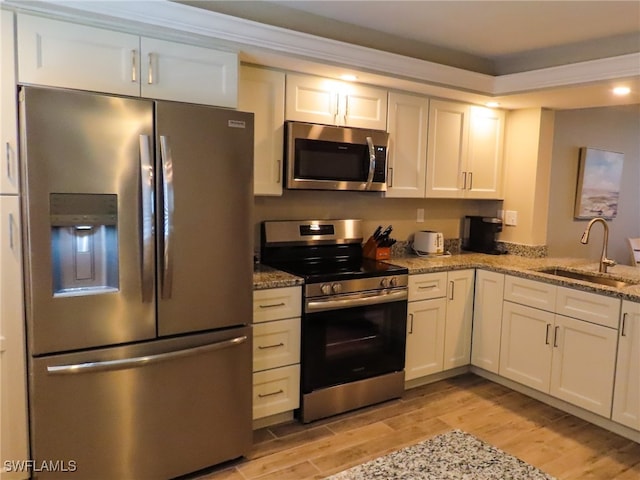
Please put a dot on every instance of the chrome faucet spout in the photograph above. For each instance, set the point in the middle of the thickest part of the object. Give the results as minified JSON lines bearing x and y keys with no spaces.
{"x":604,"y":261}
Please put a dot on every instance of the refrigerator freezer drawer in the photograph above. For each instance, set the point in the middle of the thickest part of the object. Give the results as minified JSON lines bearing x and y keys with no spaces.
{"x":153,"y":410}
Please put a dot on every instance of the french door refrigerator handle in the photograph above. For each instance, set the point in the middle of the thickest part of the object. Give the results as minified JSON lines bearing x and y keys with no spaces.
{"x":133,"y":362}
{"x":167,"y":217}
{"x":147,"y":214}
{"x":372,"y":162}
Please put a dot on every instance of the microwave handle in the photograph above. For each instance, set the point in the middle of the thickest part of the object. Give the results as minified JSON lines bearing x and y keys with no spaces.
{"x":372,"y":162}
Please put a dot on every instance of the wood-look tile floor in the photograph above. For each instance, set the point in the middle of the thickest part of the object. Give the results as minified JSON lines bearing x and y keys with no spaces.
{"x":558,"y":443}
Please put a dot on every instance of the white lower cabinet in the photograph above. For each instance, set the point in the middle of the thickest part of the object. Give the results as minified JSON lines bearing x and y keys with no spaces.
{"x":626,"y":394}
{"x":487,"y":320}
{"x":570,"y":358}
{"x":439,"y":322}
{"x":583,"y":365}
{"x":525,"y":347}
{"x":276,"y":351}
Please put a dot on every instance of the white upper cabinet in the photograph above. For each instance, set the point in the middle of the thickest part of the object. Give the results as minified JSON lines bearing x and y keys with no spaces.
{"x":464,"y":151}
{"x":261,"y":91}
{"x":8,"y":119}
{"x":175,"y":71}
{"x":331,"y":102}
{"x":68,"y":55}
{"x":407,"y":154}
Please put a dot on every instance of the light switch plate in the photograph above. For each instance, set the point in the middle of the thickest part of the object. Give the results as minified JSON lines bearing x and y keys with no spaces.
{"x":511,"y":217}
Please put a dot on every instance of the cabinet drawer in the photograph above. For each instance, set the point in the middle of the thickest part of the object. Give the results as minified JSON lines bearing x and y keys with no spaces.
{"x":276,"y":391}
{"x":590,"y":307}
{"x":276,"y":303}
{"x":276,"y":344}
{"x":427,"y":285}
{"x":530,"y":292}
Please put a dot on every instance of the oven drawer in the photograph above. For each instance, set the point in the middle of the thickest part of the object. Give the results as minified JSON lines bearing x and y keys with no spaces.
{"x":427,"y":285}
{"x":276,"y":344}
{"x":276,"y":303}
{"x":276,"y":391}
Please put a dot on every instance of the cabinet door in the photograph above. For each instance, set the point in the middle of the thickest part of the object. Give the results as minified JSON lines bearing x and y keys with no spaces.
{"x":484,"y":161}
{"x":13,"y":374}
{"x":261,"y":91}
{"x":186,"y":73}
{"x":322,"y":100}
{"x":312,"y":99}
{"x":8,"y":118}
{"x":584,"y":357}
{"x":626,"y":394}
{"x":62,"y":54}
{"x":447,"y":149}
{"x":525,"y":345}
{"x":425,"y":338}
{"x":408,"y":120}
{"x":457,"y":337}
{"x":364,"y":107}
{"x":487,"y":320}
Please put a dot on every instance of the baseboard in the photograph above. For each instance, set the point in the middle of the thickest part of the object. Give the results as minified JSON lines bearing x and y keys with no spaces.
{"x":436,"y":377}
{"x":590,"y":417}
{"x":276,"y":419}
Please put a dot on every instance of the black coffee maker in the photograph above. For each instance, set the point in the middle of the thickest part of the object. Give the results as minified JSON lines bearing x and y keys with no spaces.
{"x":479,"y":234}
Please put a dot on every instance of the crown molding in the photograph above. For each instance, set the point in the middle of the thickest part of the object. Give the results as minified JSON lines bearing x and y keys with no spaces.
{"x":237,"y":33}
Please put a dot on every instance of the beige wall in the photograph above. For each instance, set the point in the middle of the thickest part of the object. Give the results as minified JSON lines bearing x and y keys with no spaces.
{"x":612,"y":128}
{"x":441,"y":215}
{"x":527,"y":169}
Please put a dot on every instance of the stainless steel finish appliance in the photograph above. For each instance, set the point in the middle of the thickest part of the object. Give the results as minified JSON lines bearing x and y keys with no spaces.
{"x":137,"y":316}
{"x":322,"y":157}
{"x":354,"y":316}
{"x":479,"y":234}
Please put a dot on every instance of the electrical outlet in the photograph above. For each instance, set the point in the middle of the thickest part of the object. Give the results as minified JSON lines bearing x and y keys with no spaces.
{"x":420,"y":215}
{"x":511,"y":218}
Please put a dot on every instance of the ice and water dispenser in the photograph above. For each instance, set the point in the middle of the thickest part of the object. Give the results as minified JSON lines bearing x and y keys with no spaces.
{"x":84,"y":243}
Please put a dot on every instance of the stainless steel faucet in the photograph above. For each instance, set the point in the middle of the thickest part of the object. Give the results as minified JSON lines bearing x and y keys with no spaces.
{"x":604,"y":261}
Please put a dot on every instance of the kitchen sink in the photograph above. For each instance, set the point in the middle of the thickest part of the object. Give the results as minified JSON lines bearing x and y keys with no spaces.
{"x":588,"y":277}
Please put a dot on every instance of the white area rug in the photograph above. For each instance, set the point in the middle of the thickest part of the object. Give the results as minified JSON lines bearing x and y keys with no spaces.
{"x":452,"y":455}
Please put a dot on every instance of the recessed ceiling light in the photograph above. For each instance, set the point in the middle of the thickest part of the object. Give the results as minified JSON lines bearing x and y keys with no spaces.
{"x":622,"y":90}
{"x":492,"y":104}
{"x":349,"y":77}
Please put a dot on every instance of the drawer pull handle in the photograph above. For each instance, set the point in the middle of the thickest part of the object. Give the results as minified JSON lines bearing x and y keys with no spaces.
{"x":271,"y":346}
{"x":262,"y":395}
{"x":425,"y":287}
{"x":273,"y":305}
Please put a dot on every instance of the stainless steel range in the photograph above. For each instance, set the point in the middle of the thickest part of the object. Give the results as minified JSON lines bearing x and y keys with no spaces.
{"x":354,"y":315}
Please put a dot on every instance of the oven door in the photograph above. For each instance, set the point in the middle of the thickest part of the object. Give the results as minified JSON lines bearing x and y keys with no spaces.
{"x":352,"y":337}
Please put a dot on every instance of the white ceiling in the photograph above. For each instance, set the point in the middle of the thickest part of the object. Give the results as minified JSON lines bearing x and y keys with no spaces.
{"x":489,"y":29}
{"x":489,"y":37}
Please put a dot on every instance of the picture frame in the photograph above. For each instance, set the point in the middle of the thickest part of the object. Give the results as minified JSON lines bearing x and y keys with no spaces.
{"x":598,"y":186}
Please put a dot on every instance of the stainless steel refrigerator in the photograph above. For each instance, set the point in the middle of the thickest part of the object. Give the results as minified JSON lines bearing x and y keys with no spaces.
{"x":138,"y":266}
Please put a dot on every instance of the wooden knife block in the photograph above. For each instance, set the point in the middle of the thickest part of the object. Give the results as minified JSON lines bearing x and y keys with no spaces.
{"x":372,"y":251}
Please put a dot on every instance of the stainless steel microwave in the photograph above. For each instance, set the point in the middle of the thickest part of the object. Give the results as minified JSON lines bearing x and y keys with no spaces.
{"x":322,"y":157}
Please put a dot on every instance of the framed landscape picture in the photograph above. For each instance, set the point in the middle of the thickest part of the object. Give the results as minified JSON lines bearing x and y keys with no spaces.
{"x":598,"y":189}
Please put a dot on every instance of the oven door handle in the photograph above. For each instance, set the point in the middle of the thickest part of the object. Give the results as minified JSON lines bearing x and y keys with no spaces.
{"x":355,"y":300}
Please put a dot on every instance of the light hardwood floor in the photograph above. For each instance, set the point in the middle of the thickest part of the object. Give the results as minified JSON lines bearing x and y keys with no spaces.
{"x":558,"y":443}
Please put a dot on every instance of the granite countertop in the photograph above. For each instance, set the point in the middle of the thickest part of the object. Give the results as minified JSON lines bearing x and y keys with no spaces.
{"x":267,"y":277}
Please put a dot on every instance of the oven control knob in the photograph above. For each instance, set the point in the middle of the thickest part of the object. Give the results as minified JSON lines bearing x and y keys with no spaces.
{"x":325,"y":288}
{"x":336,"y":287}
{"x":384,"y":283}
{"x":393,"y":282}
